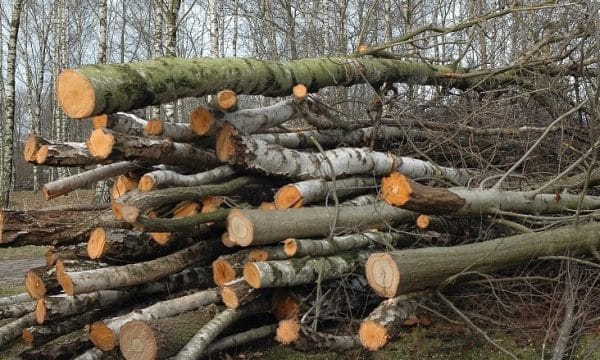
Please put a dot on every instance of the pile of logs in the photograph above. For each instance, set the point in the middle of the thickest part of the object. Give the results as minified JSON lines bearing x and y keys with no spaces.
{"x":233,"y":215}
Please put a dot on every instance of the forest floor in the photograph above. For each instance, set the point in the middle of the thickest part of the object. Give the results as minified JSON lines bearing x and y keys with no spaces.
{"x":441,"y":340}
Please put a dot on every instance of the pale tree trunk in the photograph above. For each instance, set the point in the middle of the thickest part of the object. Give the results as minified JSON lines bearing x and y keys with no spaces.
{"x":9,"y":125}
{"x":171,"y":17}
{"x":103,"y":187}
{"x":157,"y":43}
{"x":234,"y":38}
{"x":387,"y":4}
{"x":213,"y":6}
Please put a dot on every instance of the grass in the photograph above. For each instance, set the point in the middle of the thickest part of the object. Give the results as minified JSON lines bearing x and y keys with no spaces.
{"x":23,"y":252}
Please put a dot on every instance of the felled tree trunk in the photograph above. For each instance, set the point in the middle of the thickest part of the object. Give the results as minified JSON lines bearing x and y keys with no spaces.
{"x":237,"y":293}
{"x":13,"y":330}
{"x":252,"y":120}
{"x":399,"y":272}
{"x":40,"y":334}
{"x":68,"y":252}
{"x":273,"y":159}
{"x":68,"y":154}
{"x":51,"y":227}
{"x":311,"y":191}
{"x":58,"y":351}
{"x":338,"y":244}
{"x":105,"y":89}
{"x":59,"y":307}
{"x":66,"y":185}
{"x":234,"y":341}
{"x":258,"y":227}
{"x":398,"y":190}
{"x":291,"y":332}
{"x":166,"y":178}
{"x":121,"y":122}
{"x":292,"y":272}
{"x":16,"y":310}
{"x":228,"y":267}
{"x":105,"y":334}
{"x":137,"y":273}
{"x":41,"y":281}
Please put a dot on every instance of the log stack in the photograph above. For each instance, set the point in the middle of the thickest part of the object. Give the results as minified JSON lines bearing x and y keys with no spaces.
{"x":226,"y":217}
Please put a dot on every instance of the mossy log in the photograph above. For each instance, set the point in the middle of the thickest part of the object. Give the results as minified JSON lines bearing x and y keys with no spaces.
{"x":302,"y":338}
{"x":121,"y":122}
{"x":167,"y":178}
{"x":162,"y":338}
{"x":198,"y":344}
{"x":399,"y":272}
{"x":139,"y":273}
{"x":259,"y":227}
{"x":399,"y":190}
{"x":105,"y":334}
{"x":318,"y":190}
{"x":105,"y":89}
{"x":293,"y":272}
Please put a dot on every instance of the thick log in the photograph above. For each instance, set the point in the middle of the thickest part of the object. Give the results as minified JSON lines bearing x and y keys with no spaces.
{"x":303,"y":271}
{"x":105,"y":89}
{"x":40,"y":334}
{"x":234,"y":341}
{"x":398,"y":190}
{"x":291,"y":332}
{"x":42,"y":227}
{"x":258,"y":227}
{"x":384,"y":323}
{"x":16,"y":310}
{"x":105,"y":334}
{"x":241,"y":150}
{"x":67,"y":154}
{"x":121,"y":122}
{"x":251,"y":121}
{"x":141,"y":203}
{"x":228,"y":267}
{"x":162,"y":338}
{"x":166,"y":178}
{"x":42,"y":281}
{"x":399,"y":272}
{"x":14,"y":329}
{"x":338,"y":244}
{"x":198,"y":344}
{"x":237,"y":293}
{"x":138,"y":273}
{"x":66,"y":185}
{"x":15,"y":299}
{"x":63,"y":350}
{"x":311,"y":191}
{"x":128,"y":245}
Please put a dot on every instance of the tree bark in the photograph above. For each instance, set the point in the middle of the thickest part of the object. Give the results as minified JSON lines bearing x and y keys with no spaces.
{"x":68,"y":252}
{"x":399,"y":272}
{"x":16,"y":310}
{"x":292,"y":272}
{"x":166,"y":178}
{"x":86,"y":178}
{"x":265,"y":253}
{"x":14,"y":329}
{"x":105,"y":89}
{"x":312,"y":191}
{"x":234,"y":341}
{"x":15,"y":299}
{"x":41,"y":281}
{"x":105,"y":334}
{"x":58,"y":351}
{"x":259,"y":227}
{"x":40,"y":334}
{"x":305,"y":339}
{"x":121,"y":122}
{"x":138,"y":273}
{"x":69,"y":154}
{"x":250,"y":121}
{"x":39,"y":227}
{"x":162,"y":338}
{"x":228,"y":267}
{"x":198,"y":344}
{"x":308,"y":247}
{"x":237,"y":293}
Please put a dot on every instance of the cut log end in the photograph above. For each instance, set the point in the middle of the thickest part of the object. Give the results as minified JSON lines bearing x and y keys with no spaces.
{"x":226,"y":240}
{"x":97,"y":244}
{"x":154,"y":127}
{"x":161,"y":238}
{"x":40,"y":311}
{"x":226,"y":100}
{"x":240,"y":228}
{"x":65,"y":281}
{"x":258,"y":255}
{"x":288,"y":196}
{"x":211,"y":203}
{"x":288,"y":331}
{"x":100,"y":144}
{"x":185,"y":209}
{"x":75,"y":94}
{"x":373,"y":336}
{"x":284,"y":306}
{"x":137,"y":341}
{"x":27,"y":336}
{"x":41,"y":155}
{"x":290,"y":247}
{"x":102,"y":336}
{"x":265,"y":205}
{"x":100,"y":121}
{"x":229,"y":298}
{"x":34,"y":285}
{"x":147,"y":183}
{"x":252,"y":275}
{"x":395,"y":189}
{"x":225,"y":148}
{"x":300,"y":92}
{"x":423,"y":221}
{"x":383,"y":274}
{"x":32,"y":145}
{"x":362,"y":48}
{"x":201,"y":120}
{"x":129,"y":213}
{"x":223,"y":272}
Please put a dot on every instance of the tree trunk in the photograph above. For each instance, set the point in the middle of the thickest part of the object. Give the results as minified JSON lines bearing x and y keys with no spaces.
{"x":40,"y":334}
{"x":260,"y":227}
{"x":305,"y":339}
{"x":250,"y":121}
{"x":228,"y":267}
{"x":138,"y":273}
{"x":58,"y":351}
{"x":166,"y":178}
{"x":69,"y":252}
{"x":162,"y":338}
{"x":198,"y":344}
{"x":121,"y":122}
{"x":326,"y":247}
{"x":16,"y":310}
{"x":265,"y":253}
{"x":105,"y":334}
{"x":235,"y":341}
{"x":399,"y":272}
{"x":292,"y":272}
{"x":14,"y":329}
{"x":15,"y":299}
{"x":40,"y":227}
{"x":237,"y":293}
{"x":41,"y":281}
{"x":105,"y":89}
{"x":312,"y":191}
